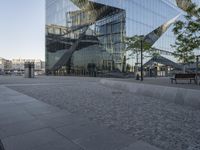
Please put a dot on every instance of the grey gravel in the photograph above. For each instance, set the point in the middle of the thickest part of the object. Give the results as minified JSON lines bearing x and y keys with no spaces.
{"x":165,"y":125}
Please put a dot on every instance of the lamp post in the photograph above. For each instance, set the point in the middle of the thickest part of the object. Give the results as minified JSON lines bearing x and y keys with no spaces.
{"x":142,"y":78}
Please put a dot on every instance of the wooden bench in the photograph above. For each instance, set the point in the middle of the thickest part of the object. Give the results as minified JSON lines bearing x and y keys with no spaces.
{"x":189,"y":77}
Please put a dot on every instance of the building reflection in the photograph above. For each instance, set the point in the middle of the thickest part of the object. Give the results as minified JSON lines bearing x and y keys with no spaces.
{"x":85,"y":36}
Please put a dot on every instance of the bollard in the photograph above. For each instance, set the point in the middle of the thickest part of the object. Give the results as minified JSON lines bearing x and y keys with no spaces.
{"x":137,"y":77}
{"x":29,"y":70}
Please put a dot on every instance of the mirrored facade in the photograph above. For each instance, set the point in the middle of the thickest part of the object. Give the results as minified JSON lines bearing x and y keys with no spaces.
{"x":84,"y":35}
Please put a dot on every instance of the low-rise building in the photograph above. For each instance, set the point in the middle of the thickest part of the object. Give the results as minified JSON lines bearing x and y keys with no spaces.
{"x":18,"y":64}
{"x":5,"y":65}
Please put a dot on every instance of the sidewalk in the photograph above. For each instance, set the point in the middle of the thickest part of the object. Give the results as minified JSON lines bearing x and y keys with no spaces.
{"x":29,"y":124}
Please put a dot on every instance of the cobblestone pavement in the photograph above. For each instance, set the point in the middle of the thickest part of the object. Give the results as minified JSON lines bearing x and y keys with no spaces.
{"x":165,"y":125}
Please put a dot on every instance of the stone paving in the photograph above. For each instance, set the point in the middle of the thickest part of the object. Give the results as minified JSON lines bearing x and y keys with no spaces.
{"x":134,"y":118}
{"x":29,"y":124}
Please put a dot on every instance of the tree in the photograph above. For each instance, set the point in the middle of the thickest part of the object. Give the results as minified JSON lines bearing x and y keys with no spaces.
{"x":128,"y":68}
{"x":133,"y":44}
{"x":187,"y":34}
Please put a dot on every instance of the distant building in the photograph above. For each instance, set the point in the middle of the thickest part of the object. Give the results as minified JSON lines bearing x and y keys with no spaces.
{"x":5,"y":65}
{"x":18,"y":64}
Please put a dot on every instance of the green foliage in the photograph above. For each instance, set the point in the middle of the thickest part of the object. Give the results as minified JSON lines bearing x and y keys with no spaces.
{"x":128,"y":68}
{"x":187,"y":35}
{"x":155,"y":54}
{"x":134,"y":44}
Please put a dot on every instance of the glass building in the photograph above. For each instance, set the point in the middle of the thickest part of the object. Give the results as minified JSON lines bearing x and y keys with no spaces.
{"x":87,"y":35}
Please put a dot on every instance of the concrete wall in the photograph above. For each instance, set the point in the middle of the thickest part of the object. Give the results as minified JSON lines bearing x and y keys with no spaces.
{"x":187,"y":97}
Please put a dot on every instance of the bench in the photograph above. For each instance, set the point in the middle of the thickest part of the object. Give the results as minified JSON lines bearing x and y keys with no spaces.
{"x":189,"y":77}
{"x":198,"y":81}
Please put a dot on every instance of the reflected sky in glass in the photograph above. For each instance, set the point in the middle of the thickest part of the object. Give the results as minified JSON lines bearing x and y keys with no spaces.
{"x":142,"y":17}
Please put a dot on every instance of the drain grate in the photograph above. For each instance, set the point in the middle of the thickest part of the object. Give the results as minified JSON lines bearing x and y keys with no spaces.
{"x":1,"y":146}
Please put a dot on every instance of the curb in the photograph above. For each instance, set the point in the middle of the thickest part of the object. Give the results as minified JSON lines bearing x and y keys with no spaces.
{"x":187,"y":97}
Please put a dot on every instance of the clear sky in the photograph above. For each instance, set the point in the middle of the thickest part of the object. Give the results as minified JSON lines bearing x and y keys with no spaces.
{"x":22,"y":24}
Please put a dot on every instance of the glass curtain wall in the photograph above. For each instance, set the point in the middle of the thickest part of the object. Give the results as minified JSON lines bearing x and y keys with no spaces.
{"x":89,"y":35}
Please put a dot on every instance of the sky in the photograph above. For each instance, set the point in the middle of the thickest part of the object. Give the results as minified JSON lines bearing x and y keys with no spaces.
{"x":22,"y":29}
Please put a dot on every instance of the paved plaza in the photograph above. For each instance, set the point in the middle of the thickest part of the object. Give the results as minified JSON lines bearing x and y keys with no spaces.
{"x":80,"y":113}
